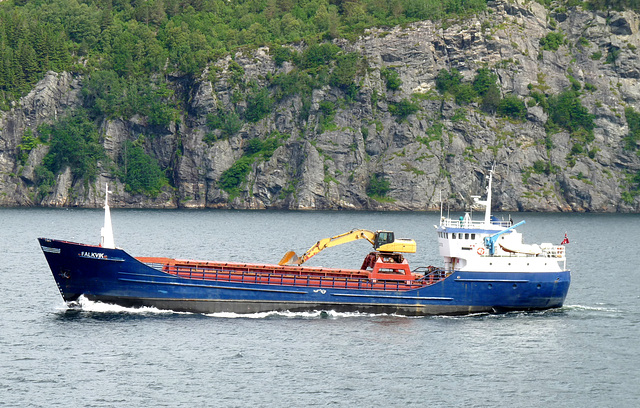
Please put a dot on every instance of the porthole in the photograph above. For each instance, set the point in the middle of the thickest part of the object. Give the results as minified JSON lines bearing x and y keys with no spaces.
{"x":515,"y":286}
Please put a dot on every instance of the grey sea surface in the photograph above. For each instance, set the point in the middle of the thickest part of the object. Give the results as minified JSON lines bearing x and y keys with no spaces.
{"x":585,"y":354}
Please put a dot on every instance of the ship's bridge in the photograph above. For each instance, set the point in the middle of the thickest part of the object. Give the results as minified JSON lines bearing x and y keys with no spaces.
{"x":492,"y":245}
{"x":464,"y":237}
{"x":463,"y":244}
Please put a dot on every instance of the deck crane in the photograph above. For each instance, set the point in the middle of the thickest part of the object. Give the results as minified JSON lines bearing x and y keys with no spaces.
{"x":382,"y":241}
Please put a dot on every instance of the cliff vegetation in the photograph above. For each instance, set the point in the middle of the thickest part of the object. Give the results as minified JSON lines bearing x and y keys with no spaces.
{"x":318,"y":104}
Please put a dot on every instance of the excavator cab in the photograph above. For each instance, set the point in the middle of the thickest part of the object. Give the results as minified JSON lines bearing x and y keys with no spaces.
{"x":385,"y":242}
{"x":383,"y":238}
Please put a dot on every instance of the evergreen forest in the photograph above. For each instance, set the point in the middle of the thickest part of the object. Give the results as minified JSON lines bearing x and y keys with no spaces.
{"x":126,"y":50}
{"x":128,"y":42}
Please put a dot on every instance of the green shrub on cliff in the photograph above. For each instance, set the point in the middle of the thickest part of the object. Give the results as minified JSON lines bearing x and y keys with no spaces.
{"x":254,"y":150}
{"x":317,"y":55}
{"x":401,"y":110}
{"x":328,"y":114}
{"x":27,"y":143}
{"x":391,"y":78}
{"x":259,"y":104}
{"x":226,"y":120}
{"x":378,"y":187}
{"x":235,"y":175}
{"x":513,"y":107}
{"x":281,"y":54}
{"x":75,"y":143}
{"x":465,"y":94}
{"x":566,"y":111}
{"x":482,"y":89}
{"x":448,"y":81}
{"x":633,"y":121}
{"x":631,"y":185}
{"x":344,"y":73}
{"x":484,"y":81}
{"x":552,"y":41}
{"x":141,"y":172}
{"x":618,"y":5}
{"x":106,"y":95}
{"x":45,"y":181}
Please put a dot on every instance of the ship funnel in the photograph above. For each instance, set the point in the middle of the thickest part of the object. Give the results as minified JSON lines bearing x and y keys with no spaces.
{"x":106,"y":232}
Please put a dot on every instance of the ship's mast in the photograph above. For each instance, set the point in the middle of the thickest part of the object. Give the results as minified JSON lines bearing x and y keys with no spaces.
{"x":487,"y":211}
{"x":106,"y":232}
{"x":487,"y":201}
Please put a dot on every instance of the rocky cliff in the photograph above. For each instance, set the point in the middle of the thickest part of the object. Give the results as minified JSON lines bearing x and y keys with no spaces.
{"x":442,"y":149}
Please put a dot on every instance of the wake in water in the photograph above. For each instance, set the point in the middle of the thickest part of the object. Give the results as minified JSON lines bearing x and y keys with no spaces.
{"x":315,"y":314}
{"x":592,"y":308}
{"x":85,"y":305}
{"x":566,"y":310}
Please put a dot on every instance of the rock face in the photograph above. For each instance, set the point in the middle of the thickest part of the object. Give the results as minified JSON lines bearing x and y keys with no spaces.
{"x":440,"y":151}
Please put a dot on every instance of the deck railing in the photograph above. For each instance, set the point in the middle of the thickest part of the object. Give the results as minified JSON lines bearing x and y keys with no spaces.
{"x":452,"y":223}
{"x":553,"y":251}
{"x":283,"y":279}
{"x":431,"y":274}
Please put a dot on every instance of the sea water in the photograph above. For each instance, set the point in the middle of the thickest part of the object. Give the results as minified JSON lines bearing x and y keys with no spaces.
{"x":585,"y":354}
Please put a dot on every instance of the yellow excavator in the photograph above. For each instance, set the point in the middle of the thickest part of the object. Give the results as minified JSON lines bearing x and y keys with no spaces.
{"x":382,"y":241}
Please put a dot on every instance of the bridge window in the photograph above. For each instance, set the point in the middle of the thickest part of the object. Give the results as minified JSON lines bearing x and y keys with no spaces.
{"x":466,"y":236}
{"x":473,"y":236}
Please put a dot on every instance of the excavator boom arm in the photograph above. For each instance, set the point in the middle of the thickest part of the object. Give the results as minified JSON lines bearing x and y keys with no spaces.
{"x":352,"y":235}
{"x":382,"y":241}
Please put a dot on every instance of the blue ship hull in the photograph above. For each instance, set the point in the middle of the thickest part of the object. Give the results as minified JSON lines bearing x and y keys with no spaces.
{"x":113,"y":276}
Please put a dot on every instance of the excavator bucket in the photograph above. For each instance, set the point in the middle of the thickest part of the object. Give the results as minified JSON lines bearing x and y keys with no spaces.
{"x":290,"y":258}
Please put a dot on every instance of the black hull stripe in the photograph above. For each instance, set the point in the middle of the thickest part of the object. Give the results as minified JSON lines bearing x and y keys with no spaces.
{"x":213,"y":286}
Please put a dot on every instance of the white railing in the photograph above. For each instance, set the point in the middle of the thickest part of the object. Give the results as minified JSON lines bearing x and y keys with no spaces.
{"x":451,"y":223}
{"x":553,"y":252}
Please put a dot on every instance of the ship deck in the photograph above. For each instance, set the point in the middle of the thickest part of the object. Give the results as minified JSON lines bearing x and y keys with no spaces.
{"x":283,"y":275}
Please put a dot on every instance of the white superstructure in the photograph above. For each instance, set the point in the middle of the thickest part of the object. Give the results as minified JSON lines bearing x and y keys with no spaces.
{"x":493,"y":245}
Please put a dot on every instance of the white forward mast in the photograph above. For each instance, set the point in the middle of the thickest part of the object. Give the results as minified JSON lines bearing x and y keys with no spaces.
{"x":106,"y":232}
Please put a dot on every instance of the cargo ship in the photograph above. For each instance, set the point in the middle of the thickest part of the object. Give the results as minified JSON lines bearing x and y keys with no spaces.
{"x":486,"y":269}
